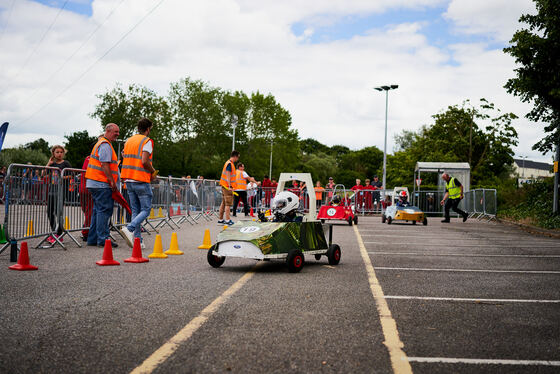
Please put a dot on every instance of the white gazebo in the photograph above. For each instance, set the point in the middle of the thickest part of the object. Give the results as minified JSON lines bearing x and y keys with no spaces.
{"x":459,"y":170}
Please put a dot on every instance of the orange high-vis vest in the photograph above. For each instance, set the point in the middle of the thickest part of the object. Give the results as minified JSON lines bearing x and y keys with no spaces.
{"x":228,"y":179}
{"x":94,"y":170}
{"x":132,"y":167}
{"x":240,"y":181}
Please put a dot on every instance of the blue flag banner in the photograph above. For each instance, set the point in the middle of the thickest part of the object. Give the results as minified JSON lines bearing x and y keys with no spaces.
{"x":3,"y":130}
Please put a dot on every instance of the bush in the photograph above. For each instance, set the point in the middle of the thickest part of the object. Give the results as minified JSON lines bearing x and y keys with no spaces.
{"x":22,"y":155}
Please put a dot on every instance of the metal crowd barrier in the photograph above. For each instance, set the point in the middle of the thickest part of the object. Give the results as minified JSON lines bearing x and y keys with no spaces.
{"x":479,"y":203}
{"x":47,"y":203}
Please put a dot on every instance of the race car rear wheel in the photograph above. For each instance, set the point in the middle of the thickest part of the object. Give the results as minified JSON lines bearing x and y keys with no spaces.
{"x":383,"y":218}
{"x":334,"y":253}
{"x":317,"y":257}
{"x":350,"y":221}
{"x":355,"y":220}
{"x":425,"y":221}
{"x":322,"y":221}
{"x":389,"y":220}
{"x":414,"y":222}
{"x":213,"y":260}
{"x":295,"y":261}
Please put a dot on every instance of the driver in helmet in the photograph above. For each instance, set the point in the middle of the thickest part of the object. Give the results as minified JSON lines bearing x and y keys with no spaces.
{"x":284,"y":207}
{"x":335,"y":201}
{"x":403,"y":199}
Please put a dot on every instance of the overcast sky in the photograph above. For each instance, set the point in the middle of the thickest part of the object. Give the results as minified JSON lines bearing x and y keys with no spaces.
{"x":319,"y":58}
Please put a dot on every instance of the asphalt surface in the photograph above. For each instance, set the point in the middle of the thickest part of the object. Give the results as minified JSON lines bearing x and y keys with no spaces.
{"x":74,"y":316}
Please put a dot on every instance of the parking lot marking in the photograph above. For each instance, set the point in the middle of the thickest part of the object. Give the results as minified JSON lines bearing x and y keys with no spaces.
{"x":169,"y":347}
{"x":482,"y":361}
{"x":472,"y":270}
{"x":394,"y":297}
{"x":394,"y":345}
{"x":428,"y":254}
{"x":532,"y":245}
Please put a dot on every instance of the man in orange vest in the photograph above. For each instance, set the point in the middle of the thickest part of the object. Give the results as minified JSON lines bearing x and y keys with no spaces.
{"x":101,"y":180}
{"x":227,"y":181}
{"x":138,"y":172}
{"x":240,"y":188}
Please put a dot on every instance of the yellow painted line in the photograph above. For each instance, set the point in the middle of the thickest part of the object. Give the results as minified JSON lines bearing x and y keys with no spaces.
{"x":399,"y":361}
{"x":167,"y":349}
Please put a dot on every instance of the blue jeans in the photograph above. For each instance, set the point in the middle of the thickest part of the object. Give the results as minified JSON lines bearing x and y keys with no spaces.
{"x":140,"y":195}
{"x":100,"y":216}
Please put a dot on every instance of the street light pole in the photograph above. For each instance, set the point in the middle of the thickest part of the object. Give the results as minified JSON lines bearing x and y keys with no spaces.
{"x":234,"y":125}
{"x":386,"y":89}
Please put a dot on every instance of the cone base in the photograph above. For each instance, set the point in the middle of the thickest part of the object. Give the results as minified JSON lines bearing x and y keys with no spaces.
{"x":204,"y":246}
{"x":157,"y":255}
{"x":20,"y":267}
{"x":136,"y":260}
{"x":107,"y":263}
{"x":174,"y":252}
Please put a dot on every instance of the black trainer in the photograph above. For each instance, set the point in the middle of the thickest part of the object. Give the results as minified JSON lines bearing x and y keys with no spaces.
{"x":445,"y":221}
{"x":465,"y":216}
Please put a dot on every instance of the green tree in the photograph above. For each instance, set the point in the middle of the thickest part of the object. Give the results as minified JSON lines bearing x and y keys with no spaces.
{"x":78,"y":146}
{"x":22,"y":155}
{"x":40,"y":145}
{"x":536,"y":50}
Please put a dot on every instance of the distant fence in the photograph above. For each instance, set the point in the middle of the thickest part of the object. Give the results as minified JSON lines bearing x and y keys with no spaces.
{"x":479,"y":203}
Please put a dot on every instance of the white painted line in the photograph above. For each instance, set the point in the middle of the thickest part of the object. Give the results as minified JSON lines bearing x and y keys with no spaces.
{"x":456,"y":237}
{"x":458,"y":255}
{"x":393,"y":342}
{"x":471,"y":270}
{"x":511,"y":245}
{"x":483,"y":361}
{"x":471,"y":299}
{"x":169,"y":347}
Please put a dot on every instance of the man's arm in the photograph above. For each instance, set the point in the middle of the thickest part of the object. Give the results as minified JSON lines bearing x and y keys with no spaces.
{"x":445,"y":197}
{"x":148,"y":164}
{"x":105,"y":166}
{"x":462,"y":191}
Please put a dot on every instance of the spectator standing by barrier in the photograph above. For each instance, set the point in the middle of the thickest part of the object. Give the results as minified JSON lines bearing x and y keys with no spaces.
{"x":137,"y":173}
{"x":240,"y":188}
{"x":376,"y":194}
{"x":252,"y":193}
{"x":273,"y":186}
{"x":86,"y":202}
{"x":57,"y":160}
{"x":227,"y":181}
{"x":368,"y":196}
{"x":452,"y":198}
{"x":265,"y":185}
{"x":319,"y":190}
{"x":101,"y":180}
{"x":358,"y":200}
{"x":330,"y":187}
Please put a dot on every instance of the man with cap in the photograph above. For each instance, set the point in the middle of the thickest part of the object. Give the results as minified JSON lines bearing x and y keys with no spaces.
{"x":452,"y":198}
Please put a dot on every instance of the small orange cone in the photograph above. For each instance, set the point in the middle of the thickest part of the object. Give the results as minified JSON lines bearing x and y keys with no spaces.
{"x":171,"y":214}
{"x":179,"y":210}
{"x":107,"y":259}
{"x":206,"y":241}
{"x":251,"y":212}
{"x":136,"y":253}
{"x":23,"y":260}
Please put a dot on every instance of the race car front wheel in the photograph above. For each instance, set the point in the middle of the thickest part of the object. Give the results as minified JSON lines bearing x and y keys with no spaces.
{"x":295,"y":261}
{"x":334,"y":253}
{"x":383,"y":218}
{"x":213,"y":260}
{"x":355,"y":220}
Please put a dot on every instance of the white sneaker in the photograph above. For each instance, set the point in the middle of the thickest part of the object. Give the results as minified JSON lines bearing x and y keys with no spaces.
{"x":127,"y":236}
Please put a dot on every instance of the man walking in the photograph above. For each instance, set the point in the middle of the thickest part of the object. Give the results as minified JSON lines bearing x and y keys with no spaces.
{"x":101,"y":180}
{"x":138,"y":173}
{"x":452,"y":198}
{"x":241,"y":178}
{"x":227,"y":181}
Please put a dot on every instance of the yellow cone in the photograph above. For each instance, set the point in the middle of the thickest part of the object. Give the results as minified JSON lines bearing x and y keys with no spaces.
{"x":206,"y":241}
{"x":122,"y":220}
{"x":30,"y":231}
{"x":174,"y":246}
{"x":160,"y":213}
{"x":66,"y":223}
{"x":158,"y":249}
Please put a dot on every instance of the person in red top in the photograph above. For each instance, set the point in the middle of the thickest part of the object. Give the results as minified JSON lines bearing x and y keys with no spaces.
{"x":330,"y":187}
{"x":265,"y":185}
{"x":368,"y":196}
{"x":358,"y":191}
{"x":273,"y":185}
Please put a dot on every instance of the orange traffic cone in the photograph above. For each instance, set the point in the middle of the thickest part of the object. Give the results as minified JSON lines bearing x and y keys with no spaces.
{"x":23,"y":260}
{"x":251,"y":212}
{"x":107,"y":259}
{"x":136,"y":253}
{"x":171,"y":214}
{"x":179,"y":210}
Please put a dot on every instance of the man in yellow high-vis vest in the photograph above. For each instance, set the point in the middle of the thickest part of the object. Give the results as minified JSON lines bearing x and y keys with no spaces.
{"x":227,"y":181}
{"x":452,"y":198}
{"x":240,"y":188}
{"x":137,"y":174}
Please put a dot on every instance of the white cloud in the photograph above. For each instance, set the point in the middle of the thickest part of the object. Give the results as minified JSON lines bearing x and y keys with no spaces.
{"x":249,"y":45}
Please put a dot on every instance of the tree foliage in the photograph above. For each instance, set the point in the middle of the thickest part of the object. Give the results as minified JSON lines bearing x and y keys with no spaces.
{"x":78,"y":146}
{"x":22,"y":155}
{"x":536,"y":50}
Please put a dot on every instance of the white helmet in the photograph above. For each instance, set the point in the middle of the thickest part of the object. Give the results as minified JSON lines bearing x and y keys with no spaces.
{"x":285,"y":202}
